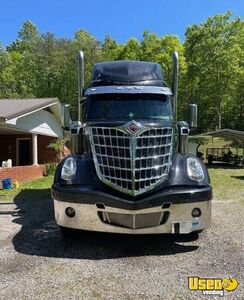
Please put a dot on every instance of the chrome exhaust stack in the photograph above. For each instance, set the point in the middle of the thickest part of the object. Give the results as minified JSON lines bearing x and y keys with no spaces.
{"x":182,"y":126}
{"x":76,"y":128}
{"x":175,"y":60}
{"x":80,"y":58}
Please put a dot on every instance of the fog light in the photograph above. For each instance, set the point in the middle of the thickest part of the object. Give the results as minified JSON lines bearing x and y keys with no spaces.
{"x":196,"y":212}
{"x":70,"y":212}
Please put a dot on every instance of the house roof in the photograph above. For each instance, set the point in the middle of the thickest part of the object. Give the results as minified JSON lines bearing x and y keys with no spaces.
{"x":12,"y":108}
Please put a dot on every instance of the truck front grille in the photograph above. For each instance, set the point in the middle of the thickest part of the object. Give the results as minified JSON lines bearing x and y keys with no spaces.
{"x":131,"y":163}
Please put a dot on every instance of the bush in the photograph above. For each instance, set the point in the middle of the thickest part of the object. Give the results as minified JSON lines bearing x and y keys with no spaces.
{"x":59,"y":147}
{"x":50,"y":169}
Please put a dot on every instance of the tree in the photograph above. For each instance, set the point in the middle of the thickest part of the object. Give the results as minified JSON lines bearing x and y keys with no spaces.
{"x":28,"y":32}
{"x":131,"y":50}
{"x":20,"y":73}
{"x":4,"y":61}
{"x":213,"y":54}
{"x":92,"y":51}
{"x":211,"y":66}
{"x":111,"y":49}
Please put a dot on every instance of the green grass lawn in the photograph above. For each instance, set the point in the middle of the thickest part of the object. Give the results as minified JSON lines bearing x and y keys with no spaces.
{"x":227,"y":183}
{"x":38,"y":186}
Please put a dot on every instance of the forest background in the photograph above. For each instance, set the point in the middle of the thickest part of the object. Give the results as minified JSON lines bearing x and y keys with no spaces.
{"x":211,"y":74}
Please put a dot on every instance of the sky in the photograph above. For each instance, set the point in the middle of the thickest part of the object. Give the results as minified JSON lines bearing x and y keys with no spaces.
{"x":121,"y":19}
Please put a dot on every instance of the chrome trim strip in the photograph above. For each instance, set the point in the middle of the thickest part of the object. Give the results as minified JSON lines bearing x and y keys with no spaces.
{"x":128,"y":90}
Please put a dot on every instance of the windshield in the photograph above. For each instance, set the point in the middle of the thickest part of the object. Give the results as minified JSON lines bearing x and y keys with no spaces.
{"x":128,"y":106}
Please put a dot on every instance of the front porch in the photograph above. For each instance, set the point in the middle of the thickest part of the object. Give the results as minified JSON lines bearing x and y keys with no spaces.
{"x":25,"y":149}
{"x":27,"y":127}
{"x":29,"y":154}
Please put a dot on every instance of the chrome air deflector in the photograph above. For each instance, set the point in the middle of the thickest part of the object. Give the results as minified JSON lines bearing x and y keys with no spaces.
{"x":131,"y":158}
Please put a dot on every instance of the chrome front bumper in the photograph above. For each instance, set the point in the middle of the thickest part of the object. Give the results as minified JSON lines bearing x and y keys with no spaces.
{"x":176,"y":218}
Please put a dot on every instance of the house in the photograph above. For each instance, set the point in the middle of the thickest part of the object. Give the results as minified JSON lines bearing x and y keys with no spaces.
{"x":27,"y":127}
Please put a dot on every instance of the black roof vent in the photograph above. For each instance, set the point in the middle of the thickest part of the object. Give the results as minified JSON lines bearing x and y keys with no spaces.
{"x":127,"y":72}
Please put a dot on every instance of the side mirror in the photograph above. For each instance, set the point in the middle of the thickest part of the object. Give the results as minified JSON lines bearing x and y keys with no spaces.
{"x":192,"y":116}
{"x":66,"y":116}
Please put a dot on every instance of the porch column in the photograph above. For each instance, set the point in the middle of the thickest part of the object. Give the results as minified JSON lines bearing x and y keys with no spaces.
{"x":34,"y":149}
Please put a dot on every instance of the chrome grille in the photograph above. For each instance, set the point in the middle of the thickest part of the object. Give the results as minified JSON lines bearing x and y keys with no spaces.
{"x":131,"y":163}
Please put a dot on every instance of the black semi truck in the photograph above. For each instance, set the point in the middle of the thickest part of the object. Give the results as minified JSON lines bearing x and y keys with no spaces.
{"x":129,"y":171}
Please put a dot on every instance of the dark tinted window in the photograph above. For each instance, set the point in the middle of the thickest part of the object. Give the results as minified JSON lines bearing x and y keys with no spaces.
{"x":128,"y":106}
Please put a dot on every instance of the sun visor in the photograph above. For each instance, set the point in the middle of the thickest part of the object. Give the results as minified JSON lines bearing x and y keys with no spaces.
{"x":127,"y":73}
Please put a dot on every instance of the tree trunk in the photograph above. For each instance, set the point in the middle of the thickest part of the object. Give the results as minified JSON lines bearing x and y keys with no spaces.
{"x":219,"y":116}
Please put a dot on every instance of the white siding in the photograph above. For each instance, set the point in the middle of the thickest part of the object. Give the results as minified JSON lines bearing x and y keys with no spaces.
{"x":40,"y":122}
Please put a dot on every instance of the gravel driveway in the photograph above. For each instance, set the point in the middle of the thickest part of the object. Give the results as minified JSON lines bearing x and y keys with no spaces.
{"x":37,"y":263}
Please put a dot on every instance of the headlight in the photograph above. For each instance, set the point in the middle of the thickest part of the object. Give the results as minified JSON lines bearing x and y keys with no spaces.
{"x":68,"y":169}
{"x":194,"y":169}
